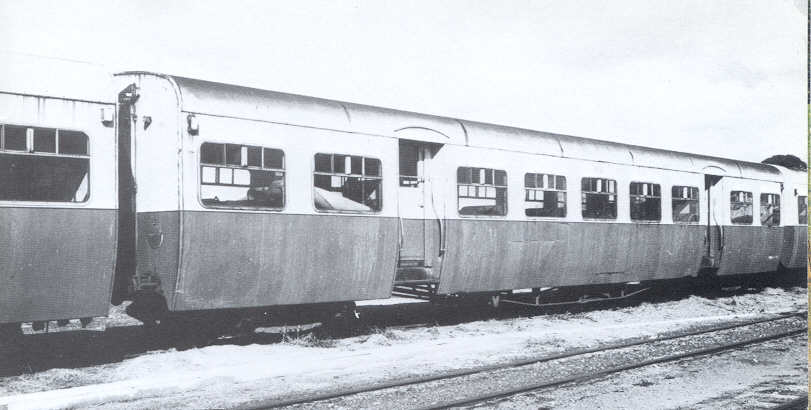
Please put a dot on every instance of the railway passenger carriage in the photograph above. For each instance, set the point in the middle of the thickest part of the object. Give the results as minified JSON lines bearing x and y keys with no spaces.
{"x":192,"y":196}
{"x":250,"y":198}
{"x":57,"y":191}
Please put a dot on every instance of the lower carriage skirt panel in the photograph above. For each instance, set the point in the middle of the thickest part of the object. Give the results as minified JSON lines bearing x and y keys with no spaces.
{"x":487,"y":255}
{"x":750,"y":249}
{"x":237,"y":259}
{"x":795,"y":247}
{"x":55,"y":263}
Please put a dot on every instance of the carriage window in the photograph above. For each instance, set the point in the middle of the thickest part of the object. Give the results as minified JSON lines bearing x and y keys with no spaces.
{"x":545,"y":195}
{"x":740,"y":207}
{"x":481,"y":191}
{"x":802,"y":210}
{"x":14,"y":138}
{"x":685,"y":204}
{"x":347,"y":183}
{"x":241,"y":176}
{"x":35,"y":167}
{"x":646,"y":201}
{"x":769,"y":209}
{"x":409,"y":161}
{"x":599,"y":198}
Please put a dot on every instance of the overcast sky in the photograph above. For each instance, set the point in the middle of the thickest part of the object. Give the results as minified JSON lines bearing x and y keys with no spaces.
{"x":725,"y":78}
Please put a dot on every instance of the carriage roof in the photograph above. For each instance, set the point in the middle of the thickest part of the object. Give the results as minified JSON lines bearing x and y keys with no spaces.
{"x":55,"y":78}
{"x":211,"y":98}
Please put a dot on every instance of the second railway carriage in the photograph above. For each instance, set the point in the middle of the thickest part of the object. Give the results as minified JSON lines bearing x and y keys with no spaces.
{"x":793,"y":212}
{"x":58,"y":194}
{"x":249,"y":198}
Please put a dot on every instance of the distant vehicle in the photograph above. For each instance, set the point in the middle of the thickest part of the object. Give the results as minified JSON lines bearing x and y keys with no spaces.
{"x":238,"y":200}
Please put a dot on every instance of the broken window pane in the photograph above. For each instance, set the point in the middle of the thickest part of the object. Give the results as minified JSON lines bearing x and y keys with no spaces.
{"x":740,"y":207}
{"x":481,"y":191}
{"x":599,"y":198}
{"x":28,"y":176}
{"x":230,"y":185}
{"x":769,"y":209}
{"x":685,"y":204}
{"x":43,"y":178}
{"x":336,"y":190}
{"x":549,"y":199}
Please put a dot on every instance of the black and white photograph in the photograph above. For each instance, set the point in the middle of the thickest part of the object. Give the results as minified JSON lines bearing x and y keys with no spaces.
{"x":404,"y":204}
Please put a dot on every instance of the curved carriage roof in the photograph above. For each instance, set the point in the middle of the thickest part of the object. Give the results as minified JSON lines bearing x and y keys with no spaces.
{"x":55,"y":78}
{"x":210,"y":98}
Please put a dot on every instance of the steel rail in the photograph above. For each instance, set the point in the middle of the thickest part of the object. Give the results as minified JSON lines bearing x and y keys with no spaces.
{"x":800,"y":403}
{"x":505,"y":393}
{"x":275,"y":403}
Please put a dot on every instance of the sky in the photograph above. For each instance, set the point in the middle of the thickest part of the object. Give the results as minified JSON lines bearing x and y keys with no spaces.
{"x":722,"y":77}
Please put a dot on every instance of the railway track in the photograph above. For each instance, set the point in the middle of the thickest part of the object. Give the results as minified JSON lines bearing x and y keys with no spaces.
{"x":81,"y":348}
{"x":315,"y":399}
{"x":800,"y":403}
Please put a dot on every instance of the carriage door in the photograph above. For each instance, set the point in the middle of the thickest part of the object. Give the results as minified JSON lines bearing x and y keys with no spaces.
{"x":416,"y":244}
{"x":713,"y":240}
{"x":125,"y":256}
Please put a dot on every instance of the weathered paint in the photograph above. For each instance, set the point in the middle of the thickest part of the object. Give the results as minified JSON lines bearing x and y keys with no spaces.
{"x":244,"y":258}
{"x":237,"y":260}
{"x":795,"y":243}
{"x":56,"y":258}
{"x":750,"y":249}
{"x":500,"y":255}
{"x":55,"y":263}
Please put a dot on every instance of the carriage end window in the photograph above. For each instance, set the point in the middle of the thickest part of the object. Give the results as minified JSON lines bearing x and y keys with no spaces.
{"x":740,"y":207}
{"x":43,"y":164}
{"x":409,"y":164}
{"x":241,"y":176}
{"x":545,"y":195}
{"x":685,"y":204}
{"x":347,"y":183}
{"x":646,"y":201}
{"x":769,"y":209}
{"x":599,"y":198}
{"x":802,"y":210}
{"x":481,"y":191}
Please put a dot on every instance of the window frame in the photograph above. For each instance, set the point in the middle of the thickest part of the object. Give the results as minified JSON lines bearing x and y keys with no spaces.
{"x":631,"y":197}
{"x":545,"y":189}
{"x":616,"y":199}
{"x":506,"y":187}
{"x":802,"y":199}
{"x":697,"y":200}
{"x":225,"y":164}
{"x":779,"y":209}
{"x":28,"y":152}
{"x":751,"y":204}
{"x":342,"y":211}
